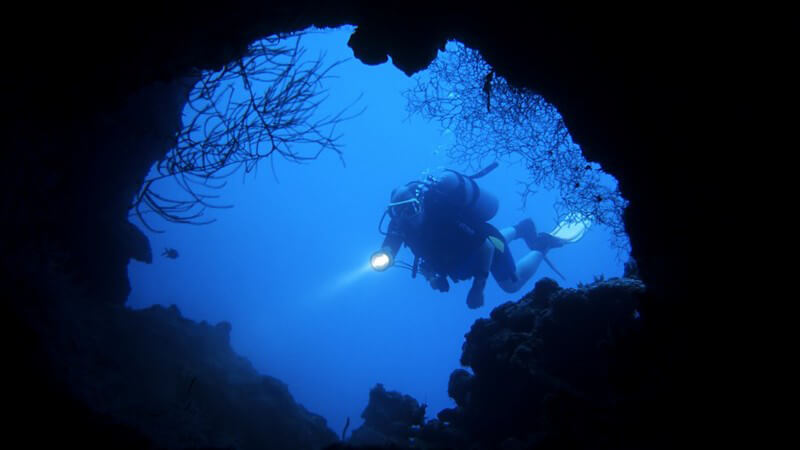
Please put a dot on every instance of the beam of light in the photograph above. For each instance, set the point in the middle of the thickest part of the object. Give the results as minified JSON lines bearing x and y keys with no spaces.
{"x":346,"y":280}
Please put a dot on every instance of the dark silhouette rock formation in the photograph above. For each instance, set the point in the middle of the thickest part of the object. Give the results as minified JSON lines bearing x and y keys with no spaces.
{"x":110,"y":377}
{"x":560,"y":368}
{"x":390,"y":418}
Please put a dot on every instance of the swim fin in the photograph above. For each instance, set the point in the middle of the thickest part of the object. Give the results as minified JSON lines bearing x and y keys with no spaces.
{"x":572,"y":228}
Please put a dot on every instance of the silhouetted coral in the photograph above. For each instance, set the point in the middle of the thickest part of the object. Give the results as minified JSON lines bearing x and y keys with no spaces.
{"x":553,"y":369}
{"x":549,"y":363}
{"x":390,"y":418}
{"x":172,"y":380}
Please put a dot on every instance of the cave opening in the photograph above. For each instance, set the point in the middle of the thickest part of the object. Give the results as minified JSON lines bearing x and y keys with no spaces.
{"x":286,"y":266}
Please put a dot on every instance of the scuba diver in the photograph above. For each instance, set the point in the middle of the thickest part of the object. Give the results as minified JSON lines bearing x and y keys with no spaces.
{"x":444,"y":221}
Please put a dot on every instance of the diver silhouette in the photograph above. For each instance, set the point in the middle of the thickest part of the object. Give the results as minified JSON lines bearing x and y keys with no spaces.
{"x":444,"y":222}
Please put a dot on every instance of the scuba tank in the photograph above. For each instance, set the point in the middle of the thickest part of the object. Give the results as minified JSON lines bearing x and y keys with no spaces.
{"x":462,"y":193}
{"x":454,"y":191}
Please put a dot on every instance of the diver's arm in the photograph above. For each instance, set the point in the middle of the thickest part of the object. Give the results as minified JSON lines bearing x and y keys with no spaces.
{"x":393,"y":240}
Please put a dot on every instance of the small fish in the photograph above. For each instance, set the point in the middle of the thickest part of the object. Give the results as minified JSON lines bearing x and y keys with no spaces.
{"x":170,"y":253}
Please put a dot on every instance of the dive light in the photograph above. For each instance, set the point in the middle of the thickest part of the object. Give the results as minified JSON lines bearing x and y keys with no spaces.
{"x":380,"y":260}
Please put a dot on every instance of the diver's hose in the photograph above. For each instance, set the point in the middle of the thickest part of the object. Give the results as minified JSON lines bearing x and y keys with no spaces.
{"x":403,"y":265}
{"x":380,"y":224}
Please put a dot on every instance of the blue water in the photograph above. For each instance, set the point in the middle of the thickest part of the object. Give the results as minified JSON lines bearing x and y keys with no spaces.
{"x":287,"y":266}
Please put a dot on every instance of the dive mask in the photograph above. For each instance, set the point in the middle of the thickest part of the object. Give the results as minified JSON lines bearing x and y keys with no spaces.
{"x":405,"y":208}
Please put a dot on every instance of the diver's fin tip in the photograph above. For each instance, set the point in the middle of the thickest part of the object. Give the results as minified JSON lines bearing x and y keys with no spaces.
{"x":572,"y":228}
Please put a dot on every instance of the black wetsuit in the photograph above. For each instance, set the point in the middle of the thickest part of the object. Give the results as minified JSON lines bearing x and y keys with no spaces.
{"x":446,"y":242}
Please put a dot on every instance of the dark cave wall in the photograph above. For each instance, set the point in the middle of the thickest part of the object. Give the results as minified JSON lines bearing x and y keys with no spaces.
{"x":649,"y":99}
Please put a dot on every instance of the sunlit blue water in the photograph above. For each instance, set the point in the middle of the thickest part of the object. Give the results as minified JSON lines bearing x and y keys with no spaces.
{"x":287,"y":265}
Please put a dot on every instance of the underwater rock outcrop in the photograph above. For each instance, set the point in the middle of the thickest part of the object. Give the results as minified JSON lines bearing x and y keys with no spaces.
{"x":390,"y":419}
{"x":555,"y":366}
{"x":557,"y":369}
{"x":163,"y":381}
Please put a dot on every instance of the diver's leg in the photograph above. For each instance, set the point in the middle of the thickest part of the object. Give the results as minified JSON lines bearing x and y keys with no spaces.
{"x":485,"y":257}
{"x":510,"y":233}
{"x":526,"y":267}
{"x":526,"y":230}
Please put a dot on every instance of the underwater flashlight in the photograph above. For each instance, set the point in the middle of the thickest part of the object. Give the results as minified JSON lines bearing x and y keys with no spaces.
{"x":380,"y":260}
